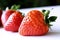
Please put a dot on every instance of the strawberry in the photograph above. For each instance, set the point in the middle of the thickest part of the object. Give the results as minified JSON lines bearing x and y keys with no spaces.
{"x":0,"y":17}
{"x":35,"y":23}
{"x":13,"y":22}
{"x":7,"y":13}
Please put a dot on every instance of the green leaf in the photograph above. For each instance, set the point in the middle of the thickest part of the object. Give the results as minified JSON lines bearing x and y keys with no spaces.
{"x":46,"y":13}
{"x":43,"y":10}
{"x":47,"y":20}
{"x":15,"y":7}
{"x":52,"y":18}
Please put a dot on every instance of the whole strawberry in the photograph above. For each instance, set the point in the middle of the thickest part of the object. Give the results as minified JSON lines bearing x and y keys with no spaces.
{"x":7,"y":13}
{"x":13,"y":22}
{"x":35,"y":23}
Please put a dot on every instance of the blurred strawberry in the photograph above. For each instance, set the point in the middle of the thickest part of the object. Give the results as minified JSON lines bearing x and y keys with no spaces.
{"x":13,"y":22}
{"x":7,"y":13}
{"x":0,"y":17}
{"x":35,"y":24}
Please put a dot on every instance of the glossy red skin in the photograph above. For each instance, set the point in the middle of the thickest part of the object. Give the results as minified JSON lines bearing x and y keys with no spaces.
{"x":6,"y":15}
{"x":33,"y":24}
{"x":13,"y":22}
{"x":0,"y":17}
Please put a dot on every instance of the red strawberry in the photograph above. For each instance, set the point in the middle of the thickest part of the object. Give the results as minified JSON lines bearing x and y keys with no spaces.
{"x":33,"y":24}
{"x":0,"y":17}
{"x":7,"y":13}
{"x":13,"y":22}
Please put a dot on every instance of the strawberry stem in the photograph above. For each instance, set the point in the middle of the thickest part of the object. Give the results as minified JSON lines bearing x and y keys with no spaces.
{"x":15,"y":7}
{"x":48,"y":19}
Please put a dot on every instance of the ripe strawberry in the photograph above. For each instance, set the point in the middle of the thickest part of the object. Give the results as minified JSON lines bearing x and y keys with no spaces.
{"x":0,"y":17}
{"x":13,"y":22}
{"x":34,"y":24}
{"x":7,"y":13}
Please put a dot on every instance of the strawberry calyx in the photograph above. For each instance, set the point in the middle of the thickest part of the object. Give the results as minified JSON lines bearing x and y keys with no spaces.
{"x":48,"y":19}
{"x":15,"y":7}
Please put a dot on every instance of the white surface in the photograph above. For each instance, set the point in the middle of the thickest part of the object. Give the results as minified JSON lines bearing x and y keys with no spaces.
{"x":53,"y":34}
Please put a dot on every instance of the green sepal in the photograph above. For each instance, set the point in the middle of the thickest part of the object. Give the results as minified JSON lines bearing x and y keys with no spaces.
{"x":46,"y":13}
{"x":15,"y":7}
{"x":48,"y":19}
{"x":43,"y":10}
{"x":52,"y":18}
